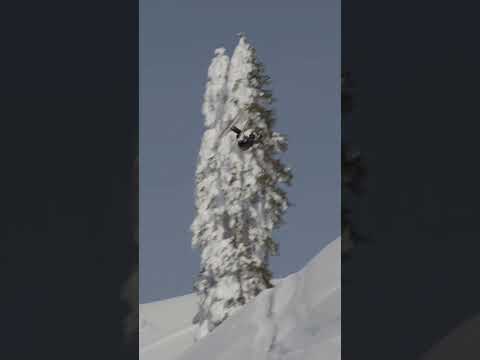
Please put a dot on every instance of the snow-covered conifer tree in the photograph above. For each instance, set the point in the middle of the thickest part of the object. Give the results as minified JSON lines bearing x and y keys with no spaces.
{"x":238,"y":198}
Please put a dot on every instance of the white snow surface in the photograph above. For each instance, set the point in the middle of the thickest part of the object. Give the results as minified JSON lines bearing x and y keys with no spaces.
{"x":299,"y":319}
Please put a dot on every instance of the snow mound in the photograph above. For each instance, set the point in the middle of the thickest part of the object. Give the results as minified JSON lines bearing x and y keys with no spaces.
{"x":299,"y":319}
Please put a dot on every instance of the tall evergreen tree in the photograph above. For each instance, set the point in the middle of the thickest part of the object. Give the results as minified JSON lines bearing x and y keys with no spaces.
{"x":239,"y":200}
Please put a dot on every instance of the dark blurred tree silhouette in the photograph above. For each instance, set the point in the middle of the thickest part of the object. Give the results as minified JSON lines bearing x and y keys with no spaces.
{"x":353,"y":171}
{"x":130,"y":291}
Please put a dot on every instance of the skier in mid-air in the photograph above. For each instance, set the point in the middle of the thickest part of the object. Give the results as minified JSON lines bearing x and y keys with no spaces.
{"x":245,"y":139}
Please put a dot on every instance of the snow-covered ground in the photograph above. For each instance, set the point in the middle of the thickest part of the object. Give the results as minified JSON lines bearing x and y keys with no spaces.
{"x":299,"y":319}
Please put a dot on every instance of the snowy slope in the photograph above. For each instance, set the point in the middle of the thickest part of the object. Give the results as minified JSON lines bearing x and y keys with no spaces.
{"x":299,"y":319}
{"x":166,"y":327}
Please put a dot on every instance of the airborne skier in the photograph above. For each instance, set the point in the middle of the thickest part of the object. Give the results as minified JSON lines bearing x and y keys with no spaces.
{"x":245,"y":139}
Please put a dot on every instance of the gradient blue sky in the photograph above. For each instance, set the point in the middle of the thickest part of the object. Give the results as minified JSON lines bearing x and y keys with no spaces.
{"x":299,"y":42}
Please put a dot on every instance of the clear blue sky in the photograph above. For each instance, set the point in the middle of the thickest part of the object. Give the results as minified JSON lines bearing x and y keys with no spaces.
{"x":299,"y":43}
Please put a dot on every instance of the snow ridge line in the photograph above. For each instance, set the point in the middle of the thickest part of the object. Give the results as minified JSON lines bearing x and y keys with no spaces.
{"x":166,"y":339}
{"x":265,"y":338}
{"x":274,"y":325}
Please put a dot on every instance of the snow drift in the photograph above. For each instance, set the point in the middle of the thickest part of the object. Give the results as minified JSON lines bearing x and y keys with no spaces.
{"x":299,"y":319}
